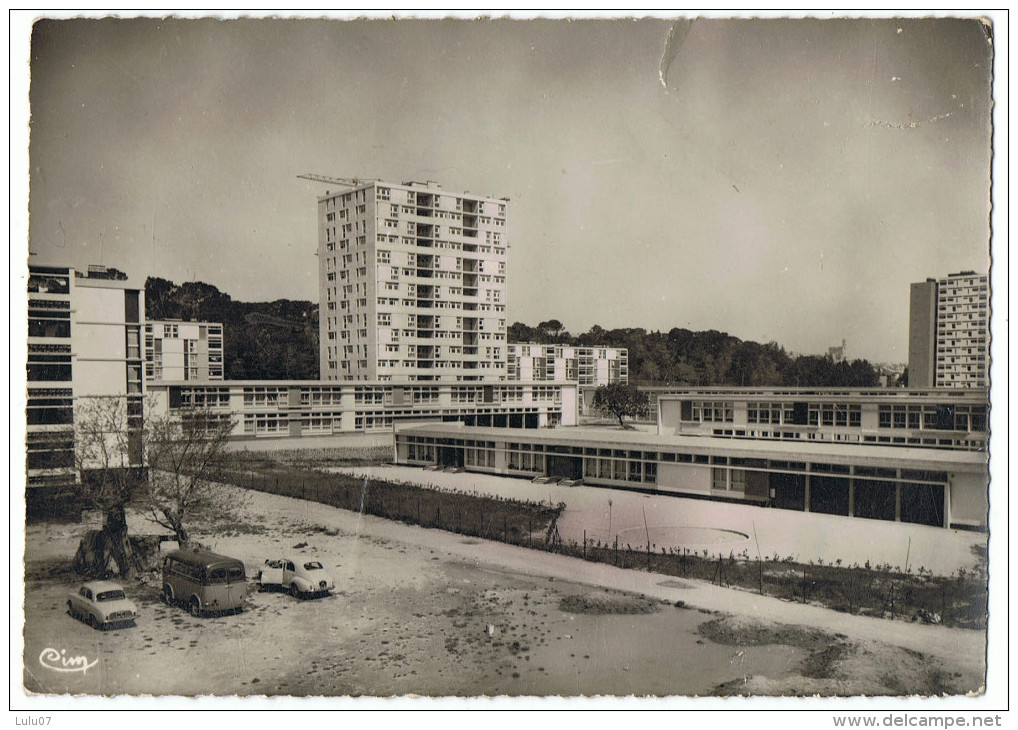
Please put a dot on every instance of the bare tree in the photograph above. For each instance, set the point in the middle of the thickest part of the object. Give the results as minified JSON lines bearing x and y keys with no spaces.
{"x":187,"y":457}
{"x":108,"y":456}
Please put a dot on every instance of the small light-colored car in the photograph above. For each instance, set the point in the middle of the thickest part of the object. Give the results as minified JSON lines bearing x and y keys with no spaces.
{"x":102,"y":603}
{"x":304,"y":578}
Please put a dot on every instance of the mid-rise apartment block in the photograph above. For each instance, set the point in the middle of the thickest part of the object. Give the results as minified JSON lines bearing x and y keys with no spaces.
{"x":84,"y":341}
{"x":949,"y":332}
{"x":587,"y":366}
{"x":412,"y":283}
{"x":176,"y":350}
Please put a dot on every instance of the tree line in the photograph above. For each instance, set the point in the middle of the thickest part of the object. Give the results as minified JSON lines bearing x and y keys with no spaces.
{"x":684,"y":357}
{"x":278,"y":340}
{"x":275,"y":340}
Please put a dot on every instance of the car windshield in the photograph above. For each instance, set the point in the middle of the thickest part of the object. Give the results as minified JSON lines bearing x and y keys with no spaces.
{"x":314,"y":565}
{"x":110,"y":596}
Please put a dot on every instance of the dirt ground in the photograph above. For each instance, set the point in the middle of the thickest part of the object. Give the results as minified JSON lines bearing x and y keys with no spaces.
{"x":416,"y":616}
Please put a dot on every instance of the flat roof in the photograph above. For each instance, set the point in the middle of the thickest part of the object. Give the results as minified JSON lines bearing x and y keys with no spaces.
{"x":352,"y":383}
{"x":832,"y":452}
{"x":974,"y":395}
{"x":421,"y":186}
{"x":96,"y":283}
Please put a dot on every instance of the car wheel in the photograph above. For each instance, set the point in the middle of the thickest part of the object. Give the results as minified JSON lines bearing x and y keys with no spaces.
{"x":95,"y":622}
{"x":194,"y":606}
{"x":294,"y":591}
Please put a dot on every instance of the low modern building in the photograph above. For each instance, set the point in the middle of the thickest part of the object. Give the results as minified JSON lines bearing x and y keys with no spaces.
{"x":293,"y":409}
{"x":945,"y":418}
{"x":899,"y":455}
{"x":84,"y":341}
{"x":177,"y":350}
{"x":918,"y":485}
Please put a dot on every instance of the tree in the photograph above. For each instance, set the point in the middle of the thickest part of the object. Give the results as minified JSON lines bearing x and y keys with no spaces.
{"x":108,"y":456}
{"x":519,"y":332}
{"x":621,"y":399}
{"x":551,"y":329}
{"x":187,"y":456}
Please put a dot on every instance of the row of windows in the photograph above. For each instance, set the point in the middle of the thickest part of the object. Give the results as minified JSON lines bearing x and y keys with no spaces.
{"x":835,"y":414}
{"x":770,"y":412}
{"x":525,"y":461}
{"x":620,"y":470}
{"x":713,"y":411}
{"x":369,"y":421}
{"x":265,"y":423}
{"x":939,"y":417}
{"x":205,"y":397}
{"x":482,"y":457}
{"x":259,"y":397}
{"x":514,"y":450}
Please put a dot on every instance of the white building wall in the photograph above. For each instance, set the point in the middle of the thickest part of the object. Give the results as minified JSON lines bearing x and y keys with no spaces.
{"x":687,"y":478}
{"x":967,"y":499}
{"x":99,"y":341}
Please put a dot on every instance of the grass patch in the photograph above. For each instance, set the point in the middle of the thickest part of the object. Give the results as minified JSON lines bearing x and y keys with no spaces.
{"x":608,"y":603}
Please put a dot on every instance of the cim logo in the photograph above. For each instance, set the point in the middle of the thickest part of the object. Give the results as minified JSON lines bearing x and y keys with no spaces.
{"x":58,"y":661}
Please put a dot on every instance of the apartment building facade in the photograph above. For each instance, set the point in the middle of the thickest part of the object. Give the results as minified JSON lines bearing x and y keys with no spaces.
{"x":84,"y":342}
{"x":587,"y":366}
{"x":177,"y":350}
{"x":949,"y":332}
{"x":412,"y":283}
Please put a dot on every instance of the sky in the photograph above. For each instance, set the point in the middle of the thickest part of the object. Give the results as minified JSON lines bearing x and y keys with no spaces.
{"x":777,"y":179}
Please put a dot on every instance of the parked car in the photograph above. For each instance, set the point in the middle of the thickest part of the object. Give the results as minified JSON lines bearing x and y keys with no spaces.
{"x":102,"y":603}
{"x":304,"y":578}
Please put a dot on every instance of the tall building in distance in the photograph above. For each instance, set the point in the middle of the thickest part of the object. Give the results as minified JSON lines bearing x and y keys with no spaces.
{"x":949,"y":332}
{"x":412,"y":284}
{"x":176,"y":350}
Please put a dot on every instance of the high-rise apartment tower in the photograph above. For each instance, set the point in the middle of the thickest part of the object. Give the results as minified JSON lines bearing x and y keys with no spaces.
{"x":412,"y":284}
{"x":949,"y":332}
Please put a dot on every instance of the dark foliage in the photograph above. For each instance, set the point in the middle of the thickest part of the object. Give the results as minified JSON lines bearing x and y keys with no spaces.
{"x":261,"y":340}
